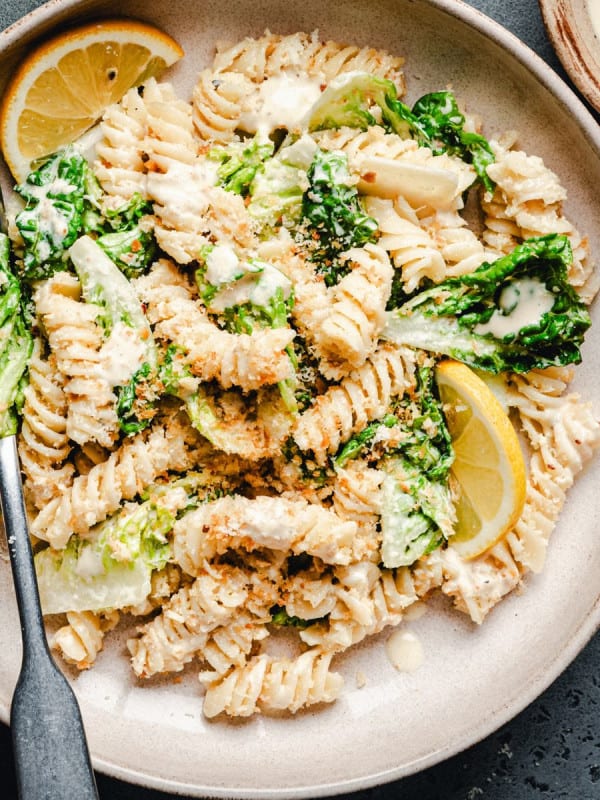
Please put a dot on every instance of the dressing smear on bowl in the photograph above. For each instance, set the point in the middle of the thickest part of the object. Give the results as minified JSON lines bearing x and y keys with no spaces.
{"x":404,"y":650}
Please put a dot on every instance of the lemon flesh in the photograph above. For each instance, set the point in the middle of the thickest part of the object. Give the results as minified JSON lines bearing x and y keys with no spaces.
{"x":63,"y":87}
{"x":488,"y":472}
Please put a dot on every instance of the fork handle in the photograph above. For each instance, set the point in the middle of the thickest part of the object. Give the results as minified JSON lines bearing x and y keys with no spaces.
{"x":51,"y":755}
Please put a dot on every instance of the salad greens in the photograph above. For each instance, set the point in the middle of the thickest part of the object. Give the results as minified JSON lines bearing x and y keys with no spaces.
{"x":275,"y":194}
{"x":516,"y":314}
{"x":335,"y":218}
{"x":111,"y":566}
{"x":279,"y":616}
{"x":417,"y":510}
{"x":355,"y":446}
{"x":249,"y":295}
{"x":132,"y":249}
{"x":240,"y":163}
{"x":443,"y":123}
{"x":16,"y":342}
{"x":122,"y":318}
{"x":62,"y":202}
{"x":55,"y":196}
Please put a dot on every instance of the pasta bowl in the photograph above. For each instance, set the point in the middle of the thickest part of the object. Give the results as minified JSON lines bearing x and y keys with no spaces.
{"x":387,"y":723}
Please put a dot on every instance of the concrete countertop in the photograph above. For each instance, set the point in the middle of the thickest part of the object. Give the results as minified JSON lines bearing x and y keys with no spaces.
{"x":550,"y":750}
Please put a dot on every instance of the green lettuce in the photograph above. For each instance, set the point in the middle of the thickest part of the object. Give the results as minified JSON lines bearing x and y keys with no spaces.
{"x":108,"y":568}
{"x":417,"y":510}
{"x":16,"y":342}
{"x":515,"y":314}
{"x":333,"y":216}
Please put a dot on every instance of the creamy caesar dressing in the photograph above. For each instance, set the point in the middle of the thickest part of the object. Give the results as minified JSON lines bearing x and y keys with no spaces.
{"x":270,"y":529}
{"x":301,"y":153}
{"x":222,"y":265}
{"x":89,"y":563}
{"x":52,"y":221}
{"x":122,"y":354}
{"x":475,"y":578}
{"x":404,"y":651}
{"x":280,"y":101}
{"x":522,"y":303}
{"x":184,"y":191}
{"x":258,"y":286}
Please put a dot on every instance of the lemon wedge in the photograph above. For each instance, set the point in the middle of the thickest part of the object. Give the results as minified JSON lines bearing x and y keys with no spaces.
{"x":63,"y":86}
{"x":488,"y":470}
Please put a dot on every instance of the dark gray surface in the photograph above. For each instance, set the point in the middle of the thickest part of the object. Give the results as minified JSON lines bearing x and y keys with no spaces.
{"x":550,"y":750}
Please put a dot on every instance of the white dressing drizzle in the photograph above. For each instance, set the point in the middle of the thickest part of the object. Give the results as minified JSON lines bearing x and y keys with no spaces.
{"x":522,"y":303}
{"x":280,"y":101}
{"x":404,"y":651}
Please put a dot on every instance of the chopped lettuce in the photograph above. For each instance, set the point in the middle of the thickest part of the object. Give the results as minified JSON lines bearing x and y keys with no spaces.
{"x":279,"y":616}
{"x":248,"y":295}
{"x":240,"y":163}
{"x":133,"y":249}
{"x":333,"y":215}
{"x":16,"y":342}
{"x":515,"y":314}
{"x":55,"y":197}
{"x":103,"y":283}
{"x":127,"y":330}
{"x":355,"y":446}
{"x":111,"y":566}
{"x":134,"y":415}
{"x":62,"y":202}
{"x":417,"y":509}
{"x":443,"y":123}
{"x":359,"y":100}
{"x":417,"y":514}
{"x":276,"y":190}
{"x":174,"y":374}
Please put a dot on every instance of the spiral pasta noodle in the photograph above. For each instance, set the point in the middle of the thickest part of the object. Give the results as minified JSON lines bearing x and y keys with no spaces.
{"x":76,"y":341}
{"x":349,"y":333}
{"x":367,"y":600}
{"x":93,"y":497}
{"x":531,"y":196}
{"x":275,"y":522}
{"x":357,"y":494}
{"x":460,"y":248}
{"x":476,"y":586}
{"x":270,"y":684}
{"x":358,"y":399}
{"x":182,"y":630}
{"x":82,"y":638}
{"x":271,"y":54}
{"x":411,"y":249}
{"x":43,"y":442}
{"x":119,"y":164}
{"x":564,"y":433}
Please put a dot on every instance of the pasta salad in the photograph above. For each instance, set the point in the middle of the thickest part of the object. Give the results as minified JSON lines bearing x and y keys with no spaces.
{"x":224,"y":316}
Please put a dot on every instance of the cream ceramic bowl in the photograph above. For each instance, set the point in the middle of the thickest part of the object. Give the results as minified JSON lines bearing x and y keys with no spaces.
{"x":472,"y":679}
